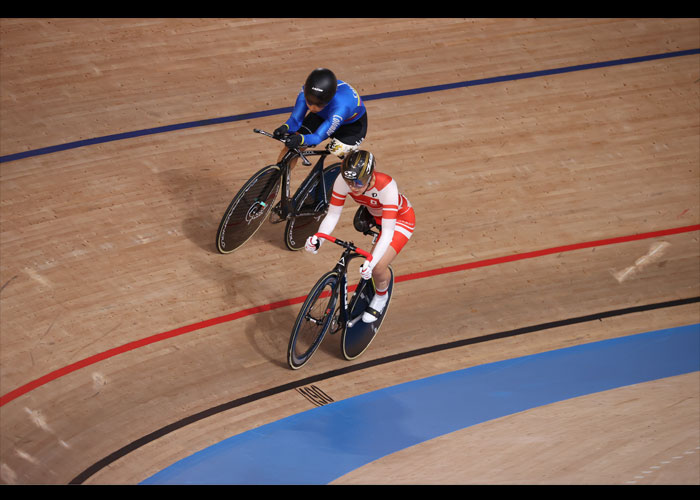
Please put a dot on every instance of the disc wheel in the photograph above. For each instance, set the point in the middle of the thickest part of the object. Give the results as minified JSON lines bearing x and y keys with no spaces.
{"x":248,"y":209}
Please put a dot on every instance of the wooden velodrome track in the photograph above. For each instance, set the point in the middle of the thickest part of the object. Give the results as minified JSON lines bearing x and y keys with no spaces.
{"x":554,"y":209}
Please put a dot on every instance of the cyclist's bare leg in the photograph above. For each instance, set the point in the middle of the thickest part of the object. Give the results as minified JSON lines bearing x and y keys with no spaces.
{"x":381,"y":272}
{"x":382,"y":278}
{"x":293,"y":162}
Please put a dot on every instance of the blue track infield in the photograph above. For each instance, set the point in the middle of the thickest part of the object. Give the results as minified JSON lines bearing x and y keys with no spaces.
{"x":325,"y":443}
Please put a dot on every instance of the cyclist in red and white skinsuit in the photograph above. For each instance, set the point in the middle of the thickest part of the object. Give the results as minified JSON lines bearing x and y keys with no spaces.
{"x":391,"y":210}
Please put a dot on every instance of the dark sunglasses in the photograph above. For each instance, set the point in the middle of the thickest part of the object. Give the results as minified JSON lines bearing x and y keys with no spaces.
{"x":357,"y":184}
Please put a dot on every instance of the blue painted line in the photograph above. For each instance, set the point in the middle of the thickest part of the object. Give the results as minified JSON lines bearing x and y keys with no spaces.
{"x":384,"y":95}
{"x":320,"y":445}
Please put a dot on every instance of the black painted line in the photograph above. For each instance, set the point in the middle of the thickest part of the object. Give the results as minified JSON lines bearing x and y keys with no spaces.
{"x":122,"y":452}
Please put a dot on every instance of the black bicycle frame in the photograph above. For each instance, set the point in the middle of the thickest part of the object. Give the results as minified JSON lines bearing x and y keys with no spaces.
{"x":341,"y":268}
{"x":288,"y":202}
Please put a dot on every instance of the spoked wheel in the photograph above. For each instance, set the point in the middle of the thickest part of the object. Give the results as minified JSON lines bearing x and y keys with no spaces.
{"x":248,"y":209}
{"x":313,"y":321}
{"x":312,"y":207}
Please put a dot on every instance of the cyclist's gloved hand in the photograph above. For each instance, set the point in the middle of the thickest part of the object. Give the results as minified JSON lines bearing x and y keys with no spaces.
{"x":294,"y":141}
{"x":280,"y":131}
{"x":366,"y":270}
{"x":313,"y":244}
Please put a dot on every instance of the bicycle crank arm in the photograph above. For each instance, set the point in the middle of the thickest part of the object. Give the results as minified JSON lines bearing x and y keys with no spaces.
{"x":354,"y":321}
{"x":313,"y":320}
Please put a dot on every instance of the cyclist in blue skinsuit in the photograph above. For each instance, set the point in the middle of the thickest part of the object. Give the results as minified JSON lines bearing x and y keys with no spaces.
{"x":335,"y":110}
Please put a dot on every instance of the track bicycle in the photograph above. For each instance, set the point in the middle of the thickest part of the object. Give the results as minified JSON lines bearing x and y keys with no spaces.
{"x":327,"y":308}
{"x":254,"y":202}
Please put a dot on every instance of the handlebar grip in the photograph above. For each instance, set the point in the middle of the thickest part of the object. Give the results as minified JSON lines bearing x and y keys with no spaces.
{"x":262,"y":132}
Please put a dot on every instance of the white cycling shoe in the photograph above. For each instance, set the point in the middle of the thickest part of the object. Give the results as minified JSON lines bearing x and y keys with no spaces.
{"x":375,"y":308}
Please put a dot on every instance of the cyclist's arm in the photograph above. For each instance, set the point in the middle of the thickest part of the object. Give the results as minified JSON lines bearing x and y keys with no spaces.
{"x":340,"y":192}
{"x":389,"y":198}
{"x":328,"y":127}
{"x":298,"y":113}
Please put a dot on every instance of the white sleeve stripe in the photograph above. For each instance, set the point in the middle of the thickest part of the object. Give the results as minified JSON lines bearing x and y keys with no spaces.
{"x":404,"y":231}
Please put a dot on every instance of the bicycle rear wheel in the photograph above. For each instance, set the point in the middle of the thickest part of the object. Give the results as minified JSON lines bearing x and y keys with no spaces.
{"x":357,"y":338}
{"x":313,"y":320}
{"x":248,"y":209}
{"x":310,"y":201}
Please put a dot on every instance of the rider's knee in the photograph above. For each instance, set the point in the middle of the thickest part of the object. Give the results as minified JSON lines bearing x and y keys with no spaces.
{"x":381,"y":273}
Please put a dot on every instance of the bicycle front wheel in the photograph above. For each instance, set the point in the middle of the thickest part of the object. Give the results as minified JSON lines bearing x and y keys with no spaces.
{"x":313,"y":320}
{"x":248,"y":209}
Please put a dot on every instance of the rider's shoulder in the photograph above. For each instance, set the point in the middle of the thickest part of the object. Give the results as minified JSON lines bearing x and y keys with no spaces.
{"x":382,"y":180}
{"x":345,"y":91}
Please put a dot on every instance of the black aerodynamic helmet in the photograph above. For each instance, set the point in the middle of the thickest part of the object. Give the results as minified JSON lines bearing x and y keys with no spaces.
{"x":320,"y":87}
{"x":357,"y":168}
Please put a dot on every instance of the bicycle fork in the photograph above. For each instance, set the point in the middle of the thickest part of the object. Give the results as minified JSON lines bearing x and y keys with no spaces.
{"x":344,"y":314}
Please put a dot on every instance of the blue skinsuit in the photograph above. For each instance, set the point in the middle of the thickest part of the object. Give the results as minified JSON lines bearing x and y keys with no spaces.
{"x":345,"y":107}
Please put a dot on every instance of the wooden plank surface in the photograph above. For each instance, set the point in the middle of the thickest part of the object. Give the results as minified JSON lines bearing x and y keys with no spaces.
{"x":112,"y":243}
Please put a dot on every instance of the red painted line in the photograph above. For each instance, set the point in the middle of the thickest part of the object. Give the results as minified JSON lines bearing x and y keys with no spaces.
{"x":548,"y":251}
{"x":141,"y":343}
{"x":288,"y":302}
